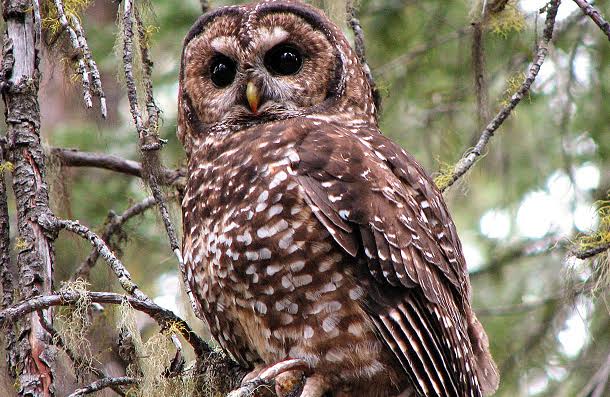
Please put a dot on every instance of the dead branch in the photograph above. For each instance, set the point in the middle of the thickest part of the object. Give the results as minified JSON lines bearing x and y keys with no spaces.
{"x":100,"y":245}
{"x":595,"y":16}
{"x":470,"y":158}
{"x":87,"y":68}
{"x":149,"y":140}
{"x":112,"y":227}
{"x":597,"y":384}
{"x":591,"y":252}
{"x":77,"y":158}
{"x":354,"y":23}
{"x":102,"y":384}
{"x":162,"y":316}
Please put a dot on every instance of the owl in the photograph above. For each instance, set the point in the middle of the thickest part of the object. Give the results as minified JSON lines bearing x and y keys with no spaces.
{"x":307,"y":233}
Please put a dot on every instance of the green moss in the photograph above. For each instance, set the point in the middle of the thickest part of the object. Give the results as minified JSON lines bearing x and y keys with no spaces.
{"x":7,"y":166}
{"x":602,"y":235}
{"x":50,"y":16}
{"x":444,"y":175}
{"x":510,"y":19}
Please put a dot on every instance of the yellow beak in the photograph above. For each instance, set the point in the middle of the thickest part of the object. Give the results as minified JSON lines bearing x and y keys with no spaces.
{"x":253,"y":96}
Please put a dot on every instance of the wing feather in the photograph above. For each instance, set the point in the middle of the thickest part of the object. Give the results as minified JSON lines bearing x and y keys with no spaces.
{"x":379,"y":205}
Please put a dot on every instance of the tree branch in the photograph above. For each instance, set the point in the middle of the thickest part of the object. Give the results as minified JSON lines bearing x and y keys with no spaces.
{"x":354,"y":23}
{"x":591,"y":252}
{"x":77,"y":158}
{"x":162,"y":316}
{"x":102,"y":384}
{"x":469,"y":159}
{"x":115,"y":264}
{"x":592,"y":13}
{"x":112,"y":227}
{"x":87,"y":68}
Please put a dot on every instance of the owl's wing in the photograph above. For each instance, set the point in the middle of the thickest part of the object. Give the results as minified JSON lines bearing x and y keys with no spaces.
{"x":381,"y":207}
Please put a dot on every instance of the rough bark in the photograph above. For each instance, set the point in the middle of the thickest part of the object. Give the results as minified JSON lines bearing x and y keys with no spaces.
{"x":34,"y":244}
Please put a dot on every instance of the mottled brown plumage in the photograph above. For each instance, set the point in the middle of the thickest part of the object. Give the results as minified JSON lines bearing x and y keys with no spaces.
{"x":307,"y":233}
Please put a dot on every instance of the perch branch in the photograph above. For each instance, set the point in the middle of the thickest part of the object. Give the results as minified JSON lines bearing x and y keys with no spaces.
{"x":470,"y":158}
{"x":112,"y":227}
{"x":102,"y":384}
{"x":162,"y":316}
{"x":595,"y":15}
{"x":267,"y":377}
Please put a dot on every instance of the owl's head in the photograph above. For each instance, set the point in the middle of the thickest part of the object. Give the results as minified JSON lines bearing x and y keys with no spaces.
{"x":244,"y":65}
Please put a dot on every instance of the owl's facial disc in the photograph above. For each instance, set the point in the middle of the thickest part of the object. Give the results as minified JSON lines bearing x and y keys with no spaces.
{"x":276,"y":65}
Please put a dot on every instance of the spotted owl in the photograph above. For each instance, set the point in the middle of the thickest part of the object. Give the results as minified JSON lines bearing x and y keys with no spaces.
{"x":307,"y":233}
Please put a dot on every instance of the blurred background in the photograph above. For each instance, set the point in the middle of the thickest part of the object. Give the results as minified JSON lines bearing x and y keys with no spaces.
{"x":518,"y":212}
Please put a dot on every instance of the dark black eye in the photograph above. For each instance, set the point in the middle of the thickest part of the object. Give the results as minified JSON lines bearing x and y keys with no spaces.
{"x":283,"y":59}
{"x":222,"y":70}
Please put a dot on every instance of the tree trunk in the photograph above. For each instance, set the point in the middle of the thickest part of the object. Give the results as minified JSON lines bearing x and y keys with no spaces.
{"x":34,"y":244}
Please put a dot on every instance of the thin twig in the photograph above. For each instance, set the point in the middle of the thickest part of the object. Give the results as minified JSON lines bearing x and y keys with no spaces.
{"x":102,"y":384}
{"x":162,"y":316}
{"x":478,"y":65}
{"x":205,"y":6}
{"x":469,"y":159}
{"x":96,"y":79}
{"x":83,"y":70}
{"x":115,"y":264}
{"x":597,"y":384}
{"x":87,"y":68}
{"x":78,"y":362}
{"x":592,"y":13}
{"x":149,"y":140}
{"x":354,"y":23}
{"x":112,"y":227}
{"x":591,"y":252}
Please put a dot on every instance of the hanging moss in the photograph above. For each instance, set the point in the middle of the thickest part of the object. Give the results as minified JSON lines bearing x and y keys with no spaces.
{"x":509,"y":20}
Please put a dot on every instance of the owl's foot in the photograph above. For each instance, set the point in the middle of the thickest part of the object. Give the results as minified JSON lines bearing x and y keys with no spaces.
{"x":286,"y":375}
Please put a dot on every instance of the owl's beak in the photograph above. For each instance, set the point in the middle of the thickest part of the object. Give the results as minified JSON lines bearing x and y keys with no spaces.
{"x":253,"y":96}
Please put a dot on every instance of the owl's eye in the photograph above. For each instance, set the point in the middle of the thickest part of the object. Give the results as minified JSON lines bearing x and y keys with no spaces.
{"x":284,"y":60}
{"x":222,"y":70}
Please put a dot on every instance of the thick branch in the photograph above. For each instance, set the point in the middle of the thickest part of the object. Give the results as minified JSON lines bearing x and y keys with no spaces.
{"x":466,"y":162}
{"x":592,"y":13}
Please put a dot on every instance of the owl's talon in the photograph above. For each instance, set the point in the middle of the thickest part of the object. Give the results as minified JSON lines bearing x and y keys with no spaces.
{"x":264,"y":376}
